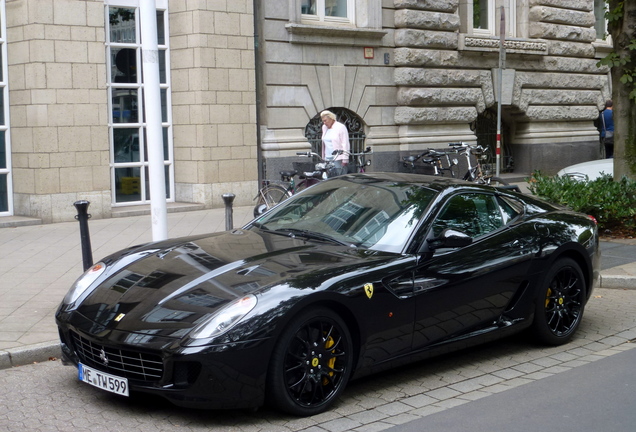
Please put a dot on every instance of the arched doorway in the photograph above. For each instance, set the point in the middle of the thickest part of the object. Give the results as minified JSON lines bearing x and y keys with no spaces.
{"x":485,"y":128}
{"x":354,"y":124}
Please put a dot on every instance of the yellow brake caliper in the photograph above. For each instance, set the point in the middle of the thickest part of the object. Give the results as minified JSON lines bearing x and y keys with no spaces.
{"x":332,"y":361}
{"x":547,"y":297}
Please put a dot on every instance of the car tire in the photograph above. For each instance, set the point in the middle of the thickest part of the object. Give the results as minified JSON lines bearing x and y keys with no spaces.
{"x":560,"y":303}
{"x":311,"y":363}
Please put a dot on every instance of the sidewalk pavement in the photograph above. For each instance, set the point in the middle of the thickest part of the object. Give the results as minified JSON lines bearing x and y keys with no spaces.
{"x":39,"y":263}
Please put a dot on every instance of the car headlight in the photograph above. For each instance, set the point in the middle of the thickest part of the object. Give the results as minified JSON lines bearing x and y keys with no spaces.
{"x":84,"y":282}
{"x":225,"y":318}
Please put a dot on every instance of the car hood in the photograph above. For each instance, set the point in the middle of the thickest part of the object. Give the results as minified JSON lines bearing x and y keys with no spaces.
{"x":169,"y":290}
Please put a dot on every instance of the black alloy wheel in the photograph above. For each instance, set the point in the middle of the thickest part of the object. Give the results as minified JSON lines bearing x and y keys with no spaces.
{"x":311,"y":363}
{"x":560,"y":303}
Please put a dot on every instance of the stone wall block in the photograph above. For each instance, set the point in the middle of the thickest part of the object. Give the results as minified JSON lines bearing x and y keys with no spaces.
{"x":35,"y":75}
{"x":562,"y":16}
{"x":430,"y":96}
{"x":436,"y":77}
{"x":47,"y":181}
{"x":559,"y":97}
{"x":430,"y":58}
{"x":69,"y":12}
{"x":76,"y":179}
{"x":426,"y":39}
{"x":571,"y":49}
{"x":42,"y":51}
{"x":572,"y":65}
{"x":524,"y":81}
{"x":439,"y":115}
{"x":557,"y":80}
{"x":425,"y":20}
{"x":562,"y":32}
{"x":582,"y":5}
{"x":561,"y":113}
{"x":430,"y":5}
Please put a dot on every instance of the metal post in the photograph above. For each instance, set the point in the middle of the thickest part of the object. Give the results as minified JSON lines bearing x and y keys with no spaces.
{"x":228,"y":198}
{"x":83,"y":217}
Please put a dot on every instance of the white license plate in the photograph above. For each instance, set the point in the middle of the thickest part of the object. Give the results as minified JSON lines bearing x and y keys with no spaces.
{"x":104,"y":381}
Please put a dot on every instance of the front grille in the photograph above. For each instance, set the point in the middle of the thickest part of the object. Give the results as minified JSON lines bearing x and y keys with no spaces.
{"x":128,"y":364}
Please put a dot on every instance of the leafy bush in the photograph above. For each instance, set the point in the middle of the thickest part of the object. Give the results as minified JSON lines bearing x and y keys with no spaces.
{"x":612,"y":203}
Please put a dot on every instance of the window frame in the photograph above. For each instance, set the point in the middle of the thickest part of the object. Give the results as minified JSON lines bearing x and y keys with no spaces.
{"x":142,"y":163}
{"x":607,"y":38}
{"x":493,"y":8}
{"x":321,"y":19}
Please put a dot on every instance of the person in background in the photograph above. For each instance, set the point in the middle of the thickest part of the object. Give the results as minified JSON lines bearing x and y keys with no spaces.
{"x":335,"y":136}
{"x":607,"y":129}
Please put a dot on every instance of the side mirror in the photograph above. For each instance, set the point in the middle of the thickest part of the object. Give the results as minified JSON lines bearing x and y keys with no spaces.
{"x":450,"y":238}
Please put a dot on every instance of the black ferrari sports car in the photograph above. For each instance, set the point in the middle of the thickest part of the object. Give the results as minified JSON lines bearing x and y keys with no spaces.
{"x":352,"y":276}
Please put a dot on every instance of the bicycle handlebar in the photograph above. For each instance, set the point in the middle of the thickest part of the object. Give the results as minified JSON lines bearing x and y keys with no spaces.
{"x":366,"y":151}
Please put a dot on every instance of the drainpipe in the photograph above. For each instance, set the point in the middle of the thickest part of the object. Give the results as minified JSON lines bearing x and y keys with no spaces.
{"x":258,"y":87}
{"x":152,"y":108}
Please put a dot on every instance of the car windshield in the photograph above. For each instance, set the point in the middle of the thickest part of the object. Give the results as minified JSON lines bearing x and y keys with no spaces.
{"x":357,"y":211}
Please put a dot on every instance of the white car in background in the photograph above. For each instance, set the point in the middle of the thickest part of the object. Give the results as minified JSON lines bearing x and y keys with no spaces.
{"x":589,"y":170}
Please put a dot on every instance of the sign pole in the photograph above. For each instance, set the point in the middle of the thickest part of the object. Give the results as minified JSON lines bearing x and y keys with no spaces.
{"x":502,"y":66}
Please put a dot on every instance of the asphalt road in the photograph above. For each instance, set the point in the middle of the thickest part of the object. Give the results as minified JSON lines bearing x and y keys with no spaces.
{"x":508,"y":385}
{"x":595,"y":397}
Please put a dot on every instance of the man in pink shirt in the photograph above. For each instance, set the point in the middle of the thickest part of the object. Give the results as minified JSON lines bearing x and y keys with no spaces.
{"x":335,"y":136}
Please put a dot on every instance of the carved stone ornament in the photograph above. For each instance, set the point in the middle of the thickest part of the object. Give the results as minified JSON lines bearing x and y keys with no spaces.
{"x":513,"y":46}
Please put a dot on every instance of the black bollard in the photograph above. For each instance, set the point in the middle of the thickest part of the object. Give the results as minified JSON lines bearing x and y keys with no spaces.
{"x":83,"y":217}
{"x":228,"y":198}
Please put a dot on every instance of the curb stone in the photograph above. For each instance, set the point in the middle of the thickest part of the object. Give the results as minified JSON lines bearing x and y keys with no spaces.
{"x":617,"y":282}
{"x":29,"y":354}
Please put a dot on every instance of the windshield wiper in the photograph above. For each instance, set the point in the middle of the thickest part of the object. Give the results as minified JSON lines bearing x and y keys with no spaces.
{"x":260,"y":226}
{"x":293,"y":232}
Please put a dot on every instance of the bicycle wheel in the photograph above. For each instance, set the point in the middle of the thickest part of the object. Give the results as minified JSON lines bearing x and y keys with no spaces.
{"x":268,"y":197}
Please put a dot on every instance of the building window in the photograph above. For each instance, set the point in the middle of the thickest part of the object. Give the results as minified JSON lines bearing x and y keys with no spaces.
{"x":328,"y":11}
{"x":6,"y":186}
{"x":600,"y":7}
{"x":483,"y":17}
{"x":128,"y":147}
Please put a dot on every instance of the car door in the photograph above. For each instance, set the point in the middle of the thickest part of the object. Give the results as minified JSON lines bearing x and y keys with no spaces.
{"x":459,"y":290}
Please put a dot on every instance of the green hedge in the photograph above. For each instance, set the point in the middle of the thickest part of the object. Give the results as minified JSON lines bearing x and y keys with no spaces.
{"x":612,"y":203}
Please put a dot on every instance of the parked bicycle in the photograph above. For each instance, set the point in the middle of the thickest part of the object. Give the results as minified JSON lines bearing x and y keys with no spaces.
{"x":441,"y":162}
{"x":272,"y":193}
{"x":360,"y":161}
{"x":477,"y":172}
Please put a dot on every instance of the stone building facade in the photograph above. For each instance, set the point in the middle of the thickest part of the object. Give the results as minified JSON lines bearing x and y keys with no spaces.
{"x":422,"y":73}
{"x":243,"y":81}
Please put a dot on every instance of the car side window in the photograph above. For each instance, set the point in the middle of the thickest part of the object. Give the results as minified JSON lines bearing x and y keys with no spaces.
{"x":475,"y":214}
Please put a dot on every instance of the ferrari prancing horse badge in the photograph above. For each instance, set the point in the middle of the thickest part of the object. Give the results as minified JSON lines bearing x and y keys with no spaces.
{"x":368,"y":289}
